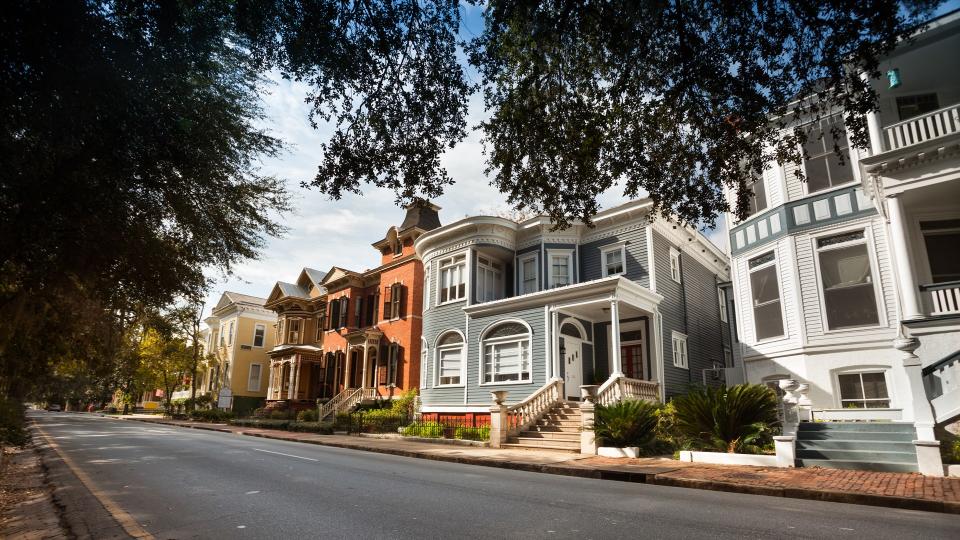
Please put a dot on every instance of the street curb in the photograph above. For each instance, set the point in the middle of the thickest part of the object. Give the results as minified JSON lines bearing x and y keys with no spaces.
{"x":620,"y":475}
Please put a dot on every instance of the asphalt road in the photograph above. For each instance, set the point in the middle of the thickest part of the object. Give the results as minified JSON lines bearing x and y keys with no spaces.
{"x":185,"y":483}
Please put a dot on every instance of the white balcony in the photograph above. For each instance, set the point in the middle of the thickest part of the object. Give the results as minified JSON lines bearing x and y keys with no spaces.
{"x":922,"y":128}
{"x":944,"y":298}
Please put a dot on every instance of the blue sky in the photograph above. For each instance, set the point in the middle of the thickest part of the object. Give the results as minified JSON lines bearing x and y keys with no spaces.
{"x":324,"y":233}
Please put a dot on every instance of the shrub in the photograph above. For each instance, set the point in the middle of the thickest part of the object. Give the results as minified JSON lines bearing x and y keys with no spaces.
{"x":263,"y":423}
{"x":281,"y":415}
{"x":12,"y":421}
{"x":211,"y":415}
{"x":308,"y":415}
{"x":467,"y":433}
{"x":736,"y":419}
{"x":626,"y":423}
{"x":432,"y":430}
{"x":323,"y":428}
{"x":342,"y":421}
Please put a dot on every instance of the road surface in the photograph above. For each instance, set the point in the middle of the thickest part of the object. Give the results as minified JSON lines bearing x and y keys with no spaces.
{"x":186,"y":483}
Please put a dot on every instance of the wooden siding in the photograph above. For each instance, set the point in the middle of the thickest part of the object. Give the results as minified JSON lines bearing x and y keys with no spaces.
{"x":795,"y":189}
{"x":787,"y":272}
{"x":636,"y":252}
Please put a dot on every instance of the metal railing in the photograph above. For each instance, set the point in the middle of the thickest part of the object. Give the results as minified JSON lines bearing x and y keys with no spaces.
{"x":923,"y":128}
{"x":463,"y":428}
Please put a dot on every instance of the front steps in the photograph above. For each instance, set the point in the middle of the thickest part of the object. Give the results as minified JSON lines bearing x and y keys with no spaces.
{"x":865,"y":446}
{"x":559,"y":429}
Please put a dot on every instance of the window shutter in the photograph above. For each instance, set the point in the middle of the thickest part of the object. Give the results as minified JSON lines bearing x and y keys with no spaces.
{"x":371,"y":310}
{"x":334,"y":316}
{"x":344,"y":310}
{"x":358,"y":315}
{"x":387,"y":296}
{"x":402,"y":309}
{"x":395,"y":365}
{"x":375,"y":307}
{"x":384,"y":362}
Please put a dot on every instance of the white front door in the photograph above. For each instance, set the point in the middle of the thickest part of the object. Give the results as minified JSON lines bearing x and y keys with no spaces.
{"x":573,"y":366}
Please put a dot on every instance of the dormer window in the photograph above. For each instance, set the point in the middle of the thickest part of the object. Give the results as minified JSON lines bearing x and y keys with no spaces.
{"x":397,"y":247}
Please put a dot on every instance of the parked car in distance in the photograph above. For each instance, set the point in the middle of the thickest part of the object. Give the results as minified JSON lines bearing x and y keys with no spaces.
{"x":53,"y":407}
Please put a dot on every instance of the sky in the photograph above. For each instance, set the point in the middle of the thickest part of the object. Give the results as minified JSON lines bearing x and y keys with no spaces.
{"x":323,"y":233}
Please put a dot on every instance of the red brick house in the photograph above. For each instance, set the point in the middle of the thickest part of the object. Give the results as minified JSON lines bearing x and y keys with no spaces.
{"x":350,"y":336}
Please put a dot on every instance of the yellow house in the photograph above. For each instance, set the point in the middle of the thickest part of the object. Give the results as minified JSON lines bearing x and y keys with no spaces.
{"x":241,"y":332}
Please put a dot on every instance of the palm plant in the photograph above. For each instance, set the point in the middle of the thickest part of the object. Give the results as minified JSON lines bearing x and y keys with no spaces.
{"x":732,"y":419}
{"x":626,"y":423}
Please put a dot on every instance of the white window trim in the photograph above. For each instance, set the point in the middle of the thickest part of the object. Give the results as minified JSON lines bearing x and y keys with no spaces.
{"x":424,"y":358}
{"x":499,"y":292}
{"x":230,"y":336}
{"x":437,"y":349}
{"x":766,"y":196}
{"x":871,"y":257}
{"x":753,"y":313}
{"x":679,"y":337}
{"x":852,"y":162}
{"x":466,"y":277}
{"x":250,"y":387}
{"x":516,"y":338}
{"x":722,"y":299}
{"x":253,"y":342}
{"x":526,"y":257}
{"x":568,"y":253}
{"x":887,"y":376}
{"x":675,"y":258}
{"x":426,"y":284}
{"x":622,"y":247}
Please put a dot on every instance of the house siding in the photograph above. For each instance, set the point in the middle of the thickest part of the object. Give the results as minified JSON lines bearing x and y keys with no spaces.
{"x":636,"y":265}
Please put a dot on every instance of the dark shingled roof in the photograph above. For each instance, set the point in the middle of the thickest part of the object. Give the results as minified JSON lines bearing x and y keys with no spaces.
{"x":423,"y":216}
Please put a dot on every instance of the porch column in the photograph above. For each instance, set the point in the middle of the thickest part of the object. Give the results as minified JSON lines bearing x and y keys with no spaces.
{"x":270,"y":382}
{"x":292,"y":375}
{"x":348,"y":369}
{"x":615,"y":338}
{"x":906,"y":279}
{"x":873,"y":127}
{"x":555,"y":345}
{"x":366,"y":352}
{"x":296,"y":378}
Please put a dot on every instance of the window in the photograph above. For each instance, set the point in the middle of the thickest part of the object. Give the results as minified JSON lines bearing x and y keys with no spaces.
{"x":489,"y":280}
{"x":449,"y":359}
{"x":359,"y":321}
{"x":424,"y":355}
{"x":823,"y":168}
{"x":393,"y":363}
{"x":258,"y":333}
{"x":560,"y":269}
{"x":506,"y":354}
{"x":334,"y":317}
{"x":675,"y":265}
{"x":941,"y":239}
{"x":767,"y":315}
{"x":394,"y":303}
{"x":320,"y":325}
{"x":426,"y":286}
{"x":344,"y":310}
{"x":865,"y":390}
{"x":397,"y":247}
{"x":253,"y":381}
{"x":911,"y":106}
{"x":293,"y":331}
{"x":846,"y":279}
{"x":613,"y":259}
{"x":722,"y":296}
{"x":453,"y":279}
{"x":758,"y":195}
{"x":230,"y":338}
{"x":680,"y":351}
{"x":529,"y":280}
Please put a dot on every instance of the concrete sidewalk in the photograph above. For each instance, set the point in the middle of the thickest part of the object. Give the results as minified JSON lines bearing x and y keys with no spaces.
{"x":896,"y":490}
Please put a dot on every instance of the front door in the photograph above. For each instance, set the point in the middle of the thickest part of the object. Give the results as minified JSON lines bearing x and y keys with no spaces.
{"x":572,"y":366}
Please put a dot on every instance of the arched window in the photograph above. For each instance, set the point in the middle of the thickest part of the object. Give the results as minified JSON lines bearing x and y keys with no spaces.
{"x":449,"y":359}
{"x":506,"y":354}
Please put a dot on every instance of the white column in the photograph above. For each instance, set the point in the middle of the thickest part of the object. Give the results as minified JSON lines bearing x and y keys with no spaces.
{"x":555,"y":343}
{"x":270,"y":382}
{"x":903,"y":261}
{"x":366,"y":351}
{"x":347,"y":369}
{"x":615,"y":338}
{"x":873,"y":128}
{"x":290,"y":389}
{"x":296,"y":378}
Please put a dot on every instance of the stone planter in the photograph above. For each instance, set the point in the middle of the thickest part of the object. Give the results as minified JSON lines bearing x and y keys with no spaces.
{"x":614,"y":452}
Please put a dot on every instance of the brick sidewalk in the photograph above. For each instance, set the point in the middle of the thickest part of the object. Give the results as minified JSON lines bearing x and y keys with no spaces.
{"x":28,"y":511}
{"x":898,"y":490}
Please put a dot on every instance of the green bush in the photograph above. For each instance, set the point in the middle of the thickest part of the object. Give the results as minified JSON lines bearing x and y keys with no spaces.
{"x":323,"y":428}
{"x":740,"y":418}
{"x":431,"y":430}
{"x":262,"y":423}
{"x":12,"y":421}
{"x":308,"y":415}
{"x":211,"y":415}
{"x":282,"y":415}
{"x":626,"y":423}
{"x":342,"y":421}
{"x":467,"y":433}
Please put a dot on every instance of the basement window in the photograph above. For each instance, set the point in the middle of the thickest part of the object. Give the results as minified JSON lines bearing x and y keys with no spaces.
{"x":863,"y":390}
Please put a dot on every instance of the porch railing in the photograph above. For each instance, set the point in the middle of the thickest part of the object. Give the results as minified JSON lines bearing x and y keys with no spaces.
{"x":923,"y":128}
{"x":945,"y":297}
{"x":341,"y":402}
{"x":527,"y":412}
{"x":619,"y":388}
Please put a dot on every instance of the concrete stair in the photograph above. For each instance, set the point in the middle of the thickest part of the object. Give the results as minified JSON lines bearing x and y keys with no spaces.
{"x":559,"y":430}
{"x":865,"y":446}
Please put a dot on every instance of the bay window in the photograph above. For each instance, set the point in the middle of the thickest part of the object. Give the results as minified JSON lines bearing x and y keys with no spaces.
{"x":453,"y":279}
{"x":765,"y":293}
{"x":293,"y":331}
{"x":846,"y":280}
{"x":823,"y":169}
{"x":529,"y":282}
{"x":489,"y":280}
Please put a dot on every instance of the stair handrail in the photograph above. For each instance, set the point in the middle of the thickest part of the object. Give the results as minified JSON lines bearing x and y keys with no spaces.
{"x":526,"y":413}
{"x":346,"y":399}
{"x":620,"y":387}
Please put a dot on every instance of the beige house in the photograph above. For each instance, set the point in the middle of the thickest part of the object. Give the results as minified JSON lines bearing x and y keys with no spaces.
{"x":241,"y":332}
